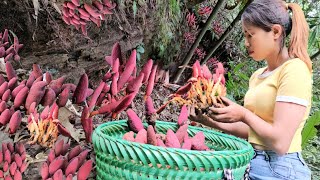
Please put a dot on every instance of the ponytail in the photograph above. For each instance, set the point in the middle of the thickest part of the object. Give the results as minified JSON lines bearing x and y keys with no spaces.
{"x":298,"y":45}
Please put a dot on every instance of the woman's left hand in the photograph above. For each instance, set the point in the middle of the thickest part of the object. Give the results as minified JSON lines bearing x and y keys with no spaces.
{"x":229,"y":114}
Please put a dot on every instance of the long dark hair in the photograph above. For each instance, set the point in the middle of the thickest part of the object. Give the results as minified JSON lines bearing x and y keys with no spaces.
{"x":265,"y":13}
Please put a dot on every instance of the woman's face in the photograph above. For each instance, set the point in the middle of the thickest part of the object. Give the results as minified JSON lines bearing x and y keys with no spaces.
{"x":259,"y":43}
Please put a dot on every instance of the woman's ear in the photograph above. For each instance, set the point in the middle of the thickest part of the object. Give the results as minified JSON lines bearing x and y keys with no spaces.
{"x":277,"y":31}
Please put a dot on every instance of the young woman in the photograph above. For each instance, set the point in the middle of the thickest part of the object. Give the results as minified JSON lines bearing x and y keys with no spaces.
{"x":278,"y":101}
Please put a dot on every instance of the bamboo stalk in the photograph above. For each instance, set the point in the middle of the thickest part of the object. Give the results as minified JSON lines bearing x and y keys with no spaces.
{"x":225,"y":34}
{"x":196,"y":43}
{"x":315,"y":55}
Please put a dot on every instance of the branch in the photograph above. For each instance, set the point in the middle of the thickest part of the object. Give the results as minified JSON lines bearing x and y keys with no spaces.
{"x":315,"y":55}
{"x":191,"y":4}
{"x":231,"y":7}
{"x":196,"y":43}
{"x":225,"y":34}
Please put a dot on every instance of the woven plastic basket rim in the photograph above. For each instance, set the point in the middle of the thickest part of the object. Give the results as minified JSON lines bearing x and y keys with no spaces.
{"x":246,"y":147}
{"x":103,"y":173}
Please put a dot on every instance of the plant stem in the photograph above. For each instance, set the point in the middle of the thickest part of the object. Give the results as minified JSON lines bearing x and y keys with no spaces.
{"x":314,"y":167}
{"x":196,"y":43}
{"x":225,"y":34}
{"x":315,"y":55}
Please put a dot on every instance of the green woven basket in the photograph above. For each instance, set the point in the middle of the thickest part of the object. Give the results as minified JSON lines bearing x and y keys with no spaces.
{"x":120,"y":159}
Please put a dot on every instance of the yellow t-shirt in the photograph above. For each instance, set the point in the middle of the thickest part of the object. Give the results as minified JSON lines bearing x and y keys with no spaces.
{"x":290,"y":82}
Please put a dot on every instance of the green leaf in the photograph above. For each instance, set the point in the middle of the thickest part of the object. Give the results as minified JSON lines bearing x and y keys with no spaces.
{"x":309,"y":130}
{"x":138,"y":56}
{"x":141,"y":2}
{"x":238,"y":66}
{"x":244,"y":77}
{"x":312,"y":37}
{"x":243,"y":3}
{"x":140,"y":49}
{"x":230,"y":97}
{"x":135,"y":9}
{"x":229,"y":75}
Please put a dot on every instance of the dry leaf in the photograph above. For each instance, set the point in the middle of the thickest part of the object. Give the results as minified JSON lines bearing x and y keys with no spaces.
{"x":73,"y":108}
{"x":24,"y":119}
{"x":2,"y":65}
{"x":56,"y":7}
{"x":166,"y":78}
{"x":64,"y":115}
{"x":18,"y":135}
{"x":41,"y":155}
{"x":45,"y":3}
{"x":36,"y":7}
{"x":4,"y":138}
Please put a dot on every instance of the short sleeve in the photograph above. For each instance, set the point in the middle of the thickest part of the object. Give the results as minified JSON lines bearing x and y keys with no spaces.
{"x":295,"y":83}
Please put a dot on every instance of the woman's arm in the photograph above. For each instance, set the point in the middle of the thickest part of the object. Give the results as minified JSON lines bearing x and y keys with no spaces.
{"x":277,"y":136}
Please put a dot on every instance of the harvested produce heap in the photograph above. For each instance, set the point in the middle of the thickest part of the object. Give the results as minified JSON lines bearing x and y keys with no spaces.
{"x":180,"y":139}
{"x":202,"y":90}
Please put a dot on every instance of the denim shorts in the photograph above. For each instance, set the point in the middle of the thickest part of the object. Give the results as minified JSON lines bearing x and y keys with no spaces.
{"x":267,"y":165}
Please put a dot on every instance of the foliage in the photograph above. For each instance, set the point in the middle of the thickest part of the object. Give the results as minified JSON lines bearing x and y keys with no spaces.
{"x":311,"y":155}
{"x":238,"y":78}
{"x":311,"y":148}
{"x":167,"y":41}
{"x":309,"y":130}
{"x":312,"y":13}
{"x":316,"y":86}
